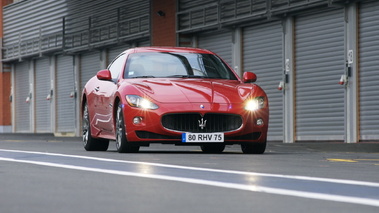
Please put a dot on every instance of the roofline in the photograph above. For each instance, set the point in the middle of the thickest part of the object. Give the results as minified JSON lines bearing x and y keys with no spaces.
{"x":170,"y":49}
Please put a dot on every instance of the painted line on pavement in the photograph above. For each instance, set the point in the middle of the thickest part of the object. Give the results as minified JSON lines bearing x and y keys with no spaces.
{"x":246,"y":187}
{"x":352,"y":182}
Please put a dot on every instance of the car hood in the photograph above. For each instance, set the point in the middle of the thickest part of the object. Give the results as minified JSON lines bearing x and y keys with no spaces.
{"x":194,"y":90}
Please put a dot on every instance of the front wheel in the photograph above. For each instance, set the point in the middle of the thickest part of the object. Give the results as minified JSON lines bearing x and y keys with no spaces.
{"x":254,"y":148}
{"x":122,"y":144}
{"x":90,"y":143}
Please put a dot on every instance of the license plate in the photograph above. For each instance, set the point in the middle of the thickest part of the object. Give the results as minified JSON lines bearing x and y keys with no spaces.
{"x":202,"y":137}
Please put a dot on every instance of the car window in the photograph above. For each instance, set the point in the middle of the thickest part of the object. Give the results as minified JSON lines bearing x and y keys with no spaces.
{"x":117,"y":66}
{"x":165,"y":64}
{"x":153,"y":65}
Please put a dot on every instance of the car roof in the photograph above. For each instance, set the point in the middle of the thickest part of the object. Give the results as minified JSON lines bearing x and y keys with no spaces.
{"x":169,"y":49}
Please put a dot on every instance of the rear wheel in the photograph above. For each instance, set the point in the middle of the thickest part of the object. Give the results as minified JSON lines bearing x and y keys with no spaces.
{"x":122,"y":145}
{"x":254,"y":148}
{"x":212,"y":148}
{"x":90,"y":143}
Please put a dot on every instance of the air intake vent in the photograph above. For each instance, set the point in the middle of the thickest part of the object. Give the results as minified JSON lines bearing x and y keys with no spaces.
{"x":194,"y":122}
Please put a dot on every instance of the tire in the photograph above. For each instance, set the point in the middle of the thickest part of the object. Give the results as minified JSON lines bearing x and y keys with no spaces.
{"x":90,"y":143}
{"x":254,"y":148}
{"x":212,"y":148}
{"x":122,"y":144}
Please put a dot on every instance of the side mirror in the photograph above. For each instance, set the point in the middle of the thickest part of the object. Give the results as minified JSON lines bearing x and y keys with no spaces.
{"x":104,"y":75}
{"x":249,"y":77}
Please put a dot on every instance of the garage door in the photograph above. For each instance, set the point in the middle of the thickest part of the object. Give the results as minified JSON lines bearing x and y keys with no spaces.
{"x":65,"y":101}
{"x":218,"y":42}
{"x":115,"y":51}
{"x":22,"y":90}
{"x":262,"y":54}
{"x":320,"y":62}
{"x":42,"y":90}
{"x":368,"y":71}
{"x":89,"y":66}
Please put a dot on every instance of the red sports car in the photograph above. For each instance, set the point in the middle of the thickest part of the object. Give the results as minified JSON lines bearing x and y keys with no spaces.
{"x":181,"y":96}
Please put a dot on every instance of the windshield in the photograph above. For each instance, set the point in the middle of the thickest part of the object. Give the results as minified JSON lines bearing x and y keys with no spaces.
{"x":176,"y":65}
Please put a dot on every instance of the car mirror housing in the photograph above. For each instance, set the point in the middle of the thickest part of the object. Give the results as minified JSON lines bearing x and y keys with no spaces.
{"x":249,"y":77}
{"x":104,"y":75}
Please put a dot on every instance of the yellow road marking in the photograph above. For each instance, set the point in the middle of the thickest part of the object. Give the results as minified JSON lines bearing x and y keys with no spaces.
{"x":341,"y":160}
{"x":353,"y":160}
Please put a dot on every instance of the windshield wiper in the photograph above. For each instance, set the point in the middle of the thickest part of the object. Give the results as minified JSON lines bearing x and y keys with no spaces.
{"x":144,"y":76}
{"x":191,"y":76}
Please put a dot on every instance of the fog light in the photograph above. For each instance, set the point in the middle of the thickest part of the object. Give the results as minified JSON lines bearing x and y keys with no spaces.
{"x":137,"y":120}
{"x":259,"y":122}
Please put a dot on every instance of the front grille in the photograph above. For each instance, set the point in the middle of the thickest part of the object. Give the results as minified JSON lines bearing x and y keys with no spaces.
{"x":195,"y":122}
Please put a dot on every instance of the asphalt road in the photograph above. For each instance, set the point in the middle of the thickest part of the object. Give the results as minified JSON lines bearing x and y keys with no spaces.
{"x":40,"y":173}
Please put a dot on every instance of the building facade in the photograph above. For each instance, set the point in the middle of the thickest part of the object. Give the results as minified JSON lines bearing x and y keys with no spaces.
{"x":316,"y":59}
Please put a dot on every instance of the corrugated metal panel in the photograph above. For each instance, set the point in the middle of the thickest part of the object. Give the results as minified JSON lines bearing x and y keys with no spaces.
{"x":219,"y":43}
{"x":189,"y":4}
{"x":320,"y":62}
{"x":103,"y":12}
{"x":368,"y":71}
{"x":65,"y":82}
{"x":105,"y":22}
{"x":22,"y":89}
{"x":144,"y":43}
{"x":26,"y":18}
{"x":32,"y":27}
{"x":263,"y":55}
{"x":89,"y":66}
{"x":234,"y":9}
{"x":42,"y":87}
{"x":197,"y":14}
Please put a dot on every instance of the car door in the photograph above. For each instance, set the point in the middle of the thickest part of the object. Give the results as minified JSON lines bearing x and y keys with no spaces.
{"x":105,"y":93}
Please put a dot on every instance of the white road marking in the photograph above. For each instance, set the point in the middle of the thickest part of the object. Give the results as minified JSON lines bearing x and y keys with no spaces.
{"x":330,"y":180}
{"x":245,"y":187}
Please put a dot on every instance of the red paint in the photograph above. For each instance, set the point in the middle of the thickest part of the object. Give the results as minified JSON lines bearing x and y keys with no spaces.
{"x":172,"y":95}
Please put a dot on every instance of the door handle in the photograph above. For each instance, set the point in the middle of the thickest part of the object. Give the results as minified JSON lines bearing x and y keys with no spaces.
{"x":97,"y":89}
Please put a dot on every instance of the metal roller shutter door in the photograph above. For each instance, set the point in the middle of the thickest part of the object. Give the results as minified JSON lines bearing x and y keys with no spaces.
{"x":65,"y":86}
{"x":115,"y":51}
{"x":320,"y":61}
{"x":43,"y":106}
{"x":369,"y":72}
{"x":22,"y":89}
{"x":219,"y":43}
{"x":263,"y":55}
{"x":89,"y":66}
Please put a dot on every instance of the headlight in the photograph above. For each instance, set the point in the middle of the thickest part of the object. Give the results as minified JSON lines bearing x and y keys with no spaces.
{"x":139,"y":102}
{"x":254,"y":104}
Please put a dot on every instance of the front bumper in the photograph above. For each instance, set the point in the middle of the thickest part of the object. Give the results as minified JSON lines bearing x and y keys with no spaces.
{"x":151,"y":130}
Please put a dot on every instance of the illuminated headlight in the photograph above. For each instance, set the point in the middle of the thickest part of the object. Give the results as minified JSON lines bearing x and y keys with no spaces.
{"x":254,"y":104}
{"x":139,"y":102}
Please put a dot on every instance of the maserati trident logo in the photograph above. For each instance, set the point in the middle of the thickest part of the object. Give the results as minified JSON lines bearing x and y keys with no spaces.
{"x":202,"y":123}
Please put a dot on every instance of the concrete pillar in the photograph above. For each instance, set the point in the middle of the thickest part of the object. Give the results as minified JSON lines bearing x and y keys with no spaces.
{"x":237,"y":51}
{"x":352,"y":128}
{"x":289,"y":81}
